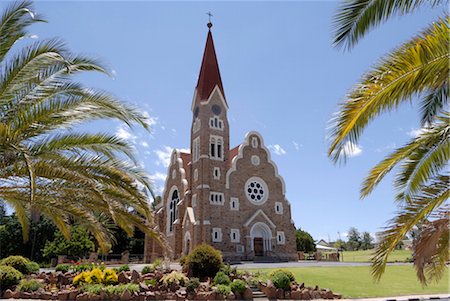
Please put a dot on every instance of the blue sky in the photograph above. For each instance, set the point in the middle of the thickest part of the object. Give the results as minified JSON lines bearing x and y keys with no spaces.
{"x":281,"y":76}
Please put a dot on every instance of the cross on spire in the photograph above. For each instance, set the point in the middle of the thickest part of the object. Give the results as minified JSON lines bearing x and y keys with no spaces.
{"x":209,"y":17}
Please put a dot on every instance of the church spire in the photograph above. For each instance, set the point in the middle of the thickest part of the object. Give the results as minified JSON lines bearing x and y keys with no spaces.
{"x":209,"y":75}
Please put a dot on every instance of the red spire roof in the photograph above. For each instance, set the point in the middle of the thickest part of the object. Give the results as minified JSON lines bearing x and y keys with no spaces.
{"x":209,"y":75}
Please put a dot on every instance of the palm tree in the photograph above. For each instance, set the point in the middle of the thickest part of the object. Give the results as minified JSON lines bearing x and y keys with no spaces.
{"x":46,"y":166}
{"x":418,"y":67}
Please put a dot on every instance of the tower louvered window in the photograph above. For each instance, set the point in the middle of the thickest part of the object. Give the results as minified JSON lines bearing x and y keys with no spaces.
{"x":173,"y":209}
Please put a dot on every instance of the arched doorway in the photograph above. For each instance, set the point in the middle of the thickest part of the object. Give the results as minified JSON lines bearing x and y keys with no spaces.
{"x":261,"y":239}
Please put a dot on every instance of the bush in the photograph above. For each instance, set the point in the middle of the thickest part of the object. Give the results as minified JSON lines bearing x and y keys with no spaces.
{"x":288,"y":273}
{"x":96,"y":276}
{"x":82,"y":278}
{"x":29,"y":286}
{"x":174,"y":278}
{"x":9,"y":276}
{"x":281,"y":280}
{"x":192,"y":284}
{"x":203,"y":261}
{"x":62,"y":268}
{"x":238,"y":286}
{"x":83,"y":267}
{"x":223,"y":289}
{"x":122,"y":268}
{"x":97,"y":289}
{"x":32,"y":267}
{"x":17,"y":262}
{"x":222,"y":278}
{"x":151,"y":282}
{"x":110,"y":277}
{"x":229,"y":271}
{"x":157,"y":263}
{"x":148,"y":269}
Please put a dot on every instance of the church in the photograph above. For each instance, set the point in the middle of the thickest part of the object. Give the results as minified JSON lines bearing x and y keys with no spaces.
{"x":230,"y":198}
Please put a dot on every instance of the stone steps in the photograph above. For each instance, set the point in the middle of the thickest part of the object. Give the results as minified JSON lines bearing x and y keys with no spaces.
{"x":257,"y":294}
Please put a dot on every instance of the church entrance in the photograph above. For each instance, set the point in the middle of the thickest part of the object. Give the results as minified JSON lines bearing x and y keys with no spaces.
{"x":258,"y":244}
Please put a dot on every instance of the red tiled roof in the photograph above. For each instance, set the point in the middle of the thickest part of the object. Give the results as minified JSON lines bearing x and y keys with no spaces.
{"x":209,"y":75}
{"x":233,"y":153}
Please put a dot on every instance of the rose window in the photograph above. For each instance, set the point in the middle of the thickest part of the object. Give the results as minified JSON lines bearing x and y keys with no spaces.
{"x":256,"y":190}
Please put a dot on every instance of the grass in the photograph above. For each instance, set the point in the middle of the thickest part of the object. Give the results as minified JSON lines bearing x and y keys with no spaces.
{"x":365,"y":255}
{"x":356,"y":282}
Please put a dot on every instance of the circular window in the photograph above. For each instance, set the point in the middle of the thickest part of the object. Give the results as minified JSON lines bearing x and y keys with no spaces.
{"x":256,"y":191}
{"x":216,"y":109}
{"x":255,"y":160}
{"x":196,"y":110}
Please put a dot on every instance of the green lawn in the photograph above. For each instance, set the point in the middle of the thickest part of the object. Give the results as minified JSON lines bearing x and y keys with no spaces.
{"x":356,"y":282}
{"x":365,"y":255}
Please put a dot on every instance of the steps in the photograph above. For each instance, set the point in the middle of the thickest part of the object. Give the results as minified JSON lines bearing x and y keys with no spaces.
{"x":257,"y":294}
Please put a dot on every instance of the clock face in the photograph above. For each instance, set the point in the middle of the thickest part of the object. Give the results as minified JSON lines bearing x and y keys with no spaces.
{"x":216,"y":109}
{"x":196,"y":110}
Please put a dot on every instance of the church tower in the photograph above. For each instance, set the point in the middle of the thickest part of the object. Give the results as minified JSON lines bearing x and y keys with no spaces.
{"x":210,"y":143}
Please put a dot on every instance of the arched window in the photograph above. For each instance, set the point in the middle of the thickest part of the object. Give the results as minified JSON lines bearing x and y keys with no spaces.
{"x":173,"y":209}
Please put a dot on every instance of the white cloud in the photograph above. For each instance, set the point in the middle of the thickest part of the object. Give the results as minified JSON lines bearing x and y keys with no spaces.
{"x":386,"y":148}
{"x":151,"y":120}
{"x":163,"y":156}
{"x":144,"y":144}
{"x":296,"y":145}
{"x":158,"y":179}
{"x":123,"y":132}
{"x":351,"y":150}
{"x":416,"y":132}
{"x":277,"y":149}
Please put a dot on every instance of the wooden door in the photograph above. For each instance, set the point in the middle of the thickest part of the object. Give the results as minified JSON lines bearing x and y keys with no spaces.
{"x":258,"y":245}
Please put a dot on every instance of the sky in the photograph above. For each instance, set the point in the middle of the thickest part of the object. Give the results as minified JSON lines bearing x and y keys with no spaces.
{"x":281,"y":75}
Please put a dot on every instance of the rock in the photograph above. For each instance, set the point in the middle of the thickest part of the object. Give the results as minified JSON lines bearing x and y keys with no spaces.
{"x":24,"y":295}
{"x":83,"y":296}
{"x":62,"y":279}
{"x":122,"y":278}
{"x":248,"y":294}
{"x":296,"y":295}
{"x":206,"y":296}
{"x":337,"y":296}
{"x":63,"y":295}
{"x":302,"y":286}
{"x":316,"y":288}
{"x":126,"y":295}
{"x":315,"y":295}
{"x":328,"y":294}
{"x":150,"y":296}
{"x":135,"y":277}
{"x":92,"y":297}
{"x":280,"y":293}
{"x":305,"y":294}
{"x":143,"y":286}
{"x":73,"y":294}
{"x":287,"y":295}
{"x":46,"y":296}
{"x":231,"y":296}
{"x":8,"y":294}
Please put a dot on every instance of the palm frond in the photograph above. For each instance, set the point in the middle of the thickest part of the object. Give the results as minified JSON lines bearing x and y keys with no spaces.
{"x":434,"y":103}
{"x":414,"y":67}
{"x":432,"y":196}
{"x":13,"y":24}
{"x":355,"y":18}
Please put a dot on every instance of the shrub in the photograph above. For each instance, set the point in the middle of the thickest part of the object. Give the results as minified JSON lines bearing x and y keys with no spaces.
{"x":223,"y":289}
{"x":93,"y":289}
{"x":192,"y":284}
{"x":148,"y":269}
{"x":110,"y":277}
{"x":122,"y":268}
{"x":32,"y":267}
{"x":62,"y":268}
{"x":82,"y":278}
{"x":288,"y":273}
{"x":281,"y":280}
{"x":157,"y":263}
{"x":83,"y":267}
{"x":9,"y":276}
{"x":95,"y":276}
{"x":238,"y":286}
{"x":121,"y":288}
{"x":151,"y":282}
{"x":29,"y":286}
{"x":229,"y":271}
{"x":203,"y":261}
{"x":174,"y":278}
{"x":17,"y":262}
{"x":222,"y":278}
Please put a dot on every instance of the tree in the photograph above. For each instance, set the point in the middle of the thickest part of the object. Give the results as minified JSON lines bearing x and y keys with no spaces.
{"x":79,"y":245}
{"x":340,"y":245}
{"x":12,"y":241}
{"x":49,"y":168}
{"x":366,"y":240}
{"x":305,"y":242}
{"x":353,"y":239}
{"x":419,"y":68}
